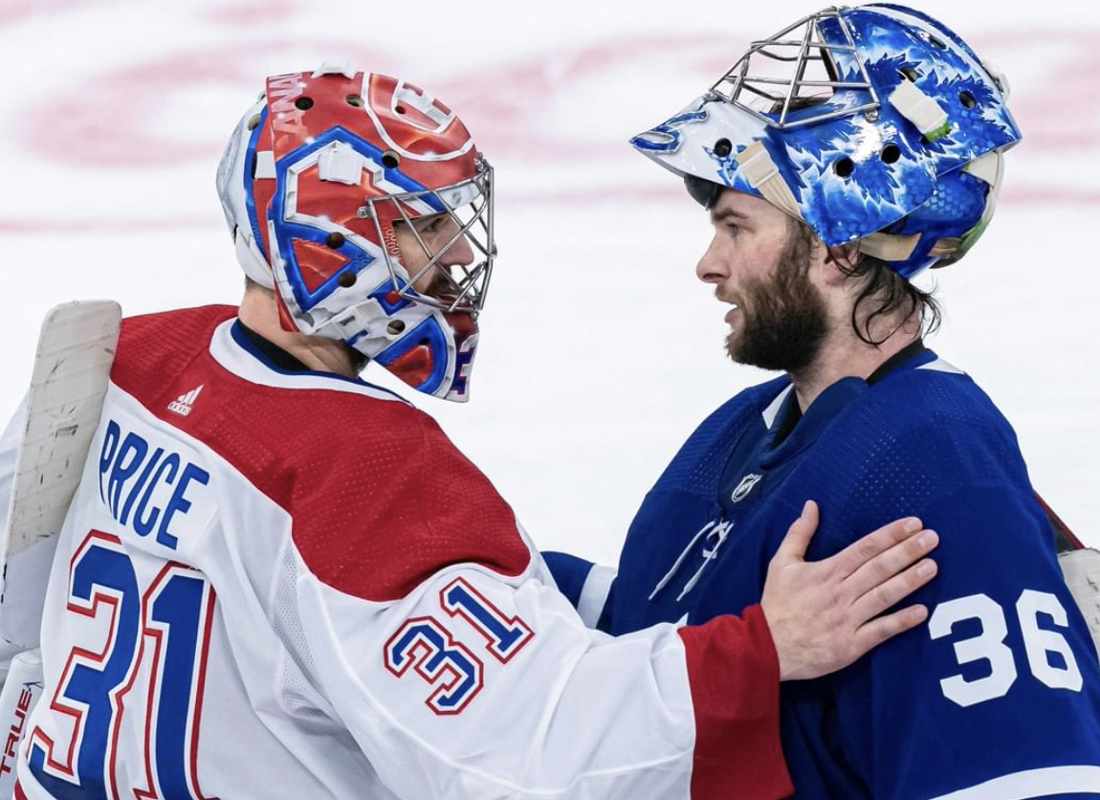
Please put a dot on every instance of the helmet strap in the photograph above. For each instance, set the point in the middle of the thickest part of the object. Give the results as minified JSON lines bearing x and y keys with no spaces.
{"x":920,"y":109}
{"x":758,"y":168}
{"x":888,"y":247}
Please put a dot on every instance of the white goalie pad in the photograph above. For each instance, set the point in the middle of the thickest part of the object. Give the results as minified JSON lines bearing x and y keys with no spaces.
{"x":72,"y":368}
{"x":1082,"y":571}
{"x":21,"y":693}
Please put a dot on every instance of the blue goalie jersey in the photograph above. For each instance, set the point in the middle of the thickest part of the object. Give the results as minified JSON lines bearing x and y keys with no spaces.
{"x":996,"y":698}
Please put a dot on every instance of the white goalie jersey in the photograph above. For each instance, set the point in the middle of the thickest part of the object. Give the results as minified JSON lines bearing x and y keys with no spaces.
{"x":287,"y":584}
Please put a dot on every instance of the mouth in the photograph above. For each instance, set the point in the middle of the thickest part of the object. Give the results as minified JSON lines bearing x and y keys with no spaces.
{"x":441,"y":289}
{"x":732,"y":314}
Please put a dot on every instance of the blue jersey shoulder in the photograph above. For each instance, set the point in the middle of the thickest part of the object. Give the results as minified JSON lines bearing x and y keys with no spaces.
{"x":910,"y":442}
{"x":935,"y":399}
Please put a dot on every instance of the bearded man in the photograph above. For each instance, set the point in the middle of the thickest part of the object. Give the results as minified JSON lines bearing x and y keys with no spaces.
{"x":827,"y":199}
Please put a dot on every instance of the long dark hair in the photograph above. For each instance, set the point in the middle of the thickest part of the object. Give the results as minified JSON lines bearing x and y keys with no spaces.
{"x":882,"y":293}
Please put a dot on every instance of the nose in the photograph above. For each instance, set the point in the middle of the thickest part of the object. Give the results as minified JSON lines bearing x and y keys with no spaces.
{"x":459,"y":254}
{"x":712,"y":268}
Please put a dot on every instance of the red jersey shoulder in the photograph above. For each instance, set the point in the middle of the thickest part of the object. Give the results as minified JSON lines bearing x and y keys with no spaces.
{"x":154,"y":347}
{"x":379,"y":497}
{"x":396,"y":502}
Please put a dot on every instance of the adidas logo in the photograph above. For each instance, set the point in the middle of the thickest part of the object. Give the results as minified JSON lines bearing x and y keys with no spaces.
{"x":182,"y":405}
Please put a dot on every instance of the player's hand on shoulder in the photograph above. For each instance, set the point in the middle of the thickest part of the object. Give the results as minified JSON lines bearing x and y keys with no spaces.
{"x":824,"y":615}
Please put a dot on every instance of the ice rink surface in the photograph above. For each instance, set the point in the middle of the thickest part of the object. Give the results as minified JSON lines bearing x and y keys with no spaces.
{"x":600,"y":350}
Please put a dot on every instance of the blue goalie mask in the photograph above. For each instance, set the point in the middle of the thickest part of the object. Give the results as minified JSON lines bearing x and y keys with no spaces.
{"x":874,"y":125}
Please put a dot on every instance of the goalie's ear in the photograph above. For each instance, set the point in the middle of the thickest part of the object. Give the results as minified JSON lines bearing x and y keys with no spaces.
{"x":835,"y":264}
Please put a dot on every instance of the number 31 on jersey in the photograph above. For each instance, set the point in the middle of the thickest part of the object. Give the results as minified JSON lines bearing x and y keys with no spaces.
{"x":162,"y":629}
{"x":425,"y":646}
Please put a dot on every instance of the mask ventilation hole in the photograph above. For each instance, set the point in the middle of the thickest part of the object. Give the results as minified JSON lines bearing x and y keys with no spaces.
{"x":723,"y":148}
{"x":395,"y":327}
{"x":844,"y":167}
{"x":967,"y":99}
{"x":939,"y":45}
{"x":890,"y":154}
{"x":252,"y":123}
{"x":354,"y":100}
{"x":390,"y":159}
{"x":399,"y":109}
{"x":335,"y":240}
{"x":348,"y":279}
{"x":303,"y":103}
{"x":909,"y":74}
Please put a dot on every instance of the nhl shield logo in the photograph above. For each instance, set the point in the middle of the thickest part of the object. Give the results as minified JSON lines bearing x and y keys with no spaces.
{"x":744,"y":487}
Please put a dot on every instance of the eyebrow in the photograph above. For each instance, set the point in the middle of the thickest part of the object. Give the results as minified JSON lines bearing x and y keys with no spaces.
{"x":426,"y":220}
{"x":726,"y":213}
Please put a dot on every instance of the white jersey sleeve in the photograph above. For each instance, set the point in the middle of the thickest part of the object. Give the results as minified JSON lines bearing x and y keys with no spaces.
{"x":476,"y":687}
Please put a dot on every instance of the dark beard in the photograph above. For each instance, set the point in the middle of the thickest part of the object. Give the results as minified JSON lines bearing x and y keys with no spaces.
{"x":784,"y":318}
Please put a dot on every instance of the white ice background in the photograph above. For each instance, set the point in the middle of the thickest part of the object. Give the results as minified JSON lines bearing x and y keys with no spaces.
{"x":600,"y":350}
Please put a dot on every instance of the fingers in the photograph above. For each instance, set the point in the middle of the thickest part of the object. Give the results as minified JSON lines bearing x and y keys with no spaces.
{"x":889,"y":593}
{"x":825,"y":615}
{"x":855,"y":555}
{"x":885,"y":628}
{"x":889,"y":563}
{"x":794,"y":544}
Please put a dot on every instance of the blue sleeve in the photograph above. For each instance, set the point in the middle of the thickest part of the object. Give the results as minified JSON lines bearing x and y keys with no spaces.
{"x":589,"y":587}
{"x":569,"y":573}
{"x":998,"y":696}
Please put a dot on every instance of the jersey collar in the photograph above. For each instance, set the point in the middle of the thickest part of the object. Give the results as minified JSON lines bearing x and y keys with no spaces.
{"x":234,"y":350}
{"x":790,"y":430}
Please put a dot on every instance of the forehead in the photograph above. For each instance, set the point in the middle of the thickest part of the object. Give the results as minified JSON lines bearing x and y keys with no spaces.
{"x":748,"y":207}
{"x":422,"y":221}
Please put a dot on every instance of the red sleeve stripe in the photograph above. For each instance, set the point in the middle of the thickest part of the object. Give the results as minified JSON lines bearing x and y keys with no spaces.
{"x":733,"y":670}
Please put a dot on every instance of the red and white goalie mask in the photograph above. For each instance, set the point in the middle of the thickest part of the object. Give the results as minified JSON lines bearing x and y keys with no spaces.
{"x":362,"y":201}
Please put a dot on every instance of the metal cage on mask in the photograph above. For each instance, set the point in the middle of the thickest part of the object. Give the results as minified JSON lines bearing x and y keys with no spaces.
{"x":803,"y":52}
{"x":469,"y":205}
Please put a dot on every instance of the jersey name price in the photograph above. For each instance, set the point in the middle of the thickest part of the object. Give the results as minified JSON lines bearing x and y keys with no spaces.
{"x":145,"y":488}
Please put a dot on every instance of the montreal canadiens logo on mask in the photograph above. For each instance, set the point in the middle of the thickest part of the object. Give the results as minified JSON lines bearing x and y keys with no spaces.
{"x":417,"y":113}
